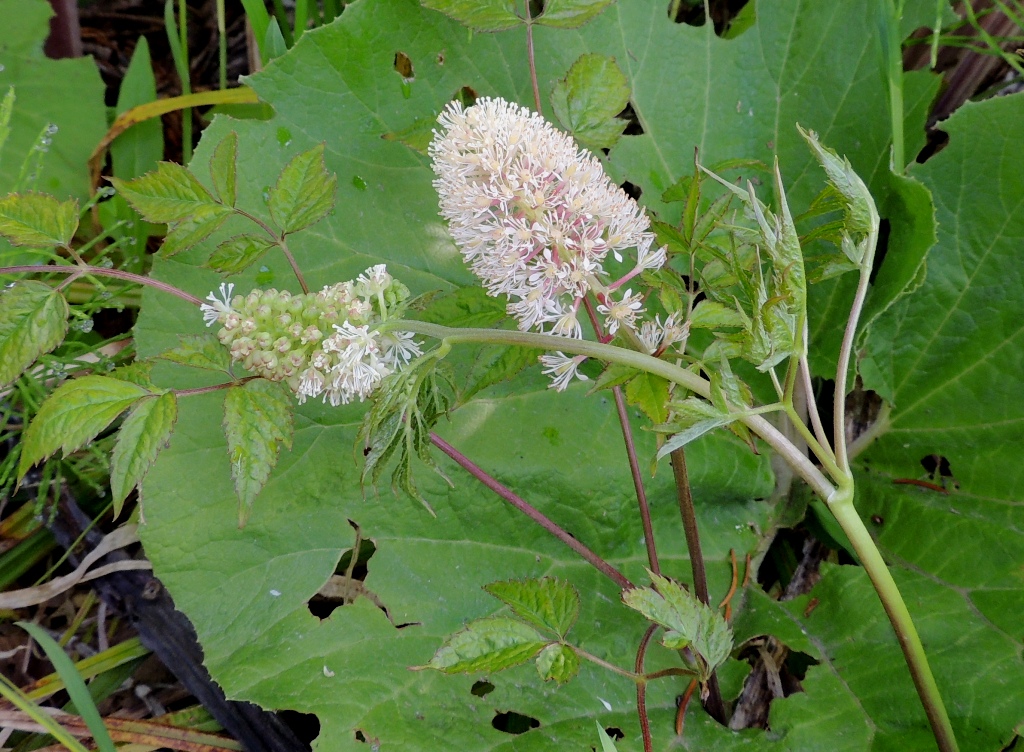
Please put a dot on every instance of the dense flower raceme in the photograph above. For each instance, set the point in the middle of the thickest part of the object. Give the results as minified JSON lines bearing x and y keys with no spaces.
{"x":320,"y":343}
{"x":535,"y":217}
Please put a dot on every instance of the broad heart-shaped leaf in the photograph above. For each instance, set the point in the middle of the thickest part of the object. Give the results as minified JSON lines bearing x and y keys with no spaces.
{"x":257,"y":423}
{"x":143,"y":434}
{"x":587,"y":100}
{"x":560,"y":451}
{"x":33,"y":321}
{"x":37,"y":219}
{"x":547,"y":603}
{"x":489,"y":645}
{"x":74,"y":414}
{"x":955,"y":374}
{"x":170,"y":194}
{"x":304,"y":193}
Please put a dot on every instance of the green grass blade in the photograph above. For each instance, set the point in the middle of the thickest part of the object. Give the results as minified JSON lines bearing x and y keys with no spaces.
{"x":75,"y":685}
{"x":94,"y":665}
{"x":12,"y":694}
{"x":180,"y":54}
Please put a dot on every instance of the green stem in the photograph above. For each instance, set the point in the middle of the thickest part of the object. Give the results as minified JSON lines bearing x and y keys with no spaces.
{"x":613,"y":354}
{"x":637,"y":678}
{"x":222,"y":46}
{"x":842,"y":507}
{"x":186,"y":83}
{"x":892,"y":58}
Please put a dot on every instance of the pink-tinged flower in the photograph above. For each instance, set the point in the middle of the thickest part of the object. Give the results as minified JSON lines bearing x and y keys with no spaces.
{"x":534,"y":215}
{"x":622,"y":312}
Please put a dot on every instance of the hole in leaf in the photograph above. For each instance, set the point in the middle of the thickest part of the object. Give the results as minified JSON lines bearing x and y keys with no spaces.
{"x":306,"y":726}
{"x":937,"y":141}
{"x":481,"y":688}
{"x":884,"y":230}
{"x":346,"y":584}
{"x":936,"y":466}
{"x":633,"y":191}
{"x":776,"y":672}
{"x":360,"y":737}
{"x":691,"y":13}
{"x":514,"y":723}
{"x":466,"y":96}
{"x":633,"y":126}
{"x":615,"y":733}
{"x":403,"y":66}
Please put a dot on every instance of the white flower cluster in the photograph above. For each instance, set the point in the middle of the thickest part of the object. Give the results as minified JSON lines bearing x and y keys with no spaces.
{"x":285,"y":337}
{"x":535,"y":216}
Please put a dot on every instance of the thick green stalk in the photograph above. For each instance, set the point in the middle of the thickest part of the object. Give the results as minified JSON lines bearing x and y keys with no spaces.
{"x":613,"y":354}
{"x":889,"y":14}
{"x":841,"y":505}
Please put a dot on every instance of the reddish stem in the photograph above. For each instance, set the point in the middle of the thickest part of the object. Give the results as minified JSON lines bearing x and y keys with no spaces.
{"x":100,"y":271}
{"x":534,"y":514}
{"x":531,"y":58}
{"x":641,"y":689}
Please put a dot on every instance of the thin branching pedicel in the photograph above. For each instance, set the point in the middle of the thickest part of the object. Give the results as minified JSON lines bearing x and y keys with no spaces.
{"x":536,"y":218}
{"x":285,"y":337}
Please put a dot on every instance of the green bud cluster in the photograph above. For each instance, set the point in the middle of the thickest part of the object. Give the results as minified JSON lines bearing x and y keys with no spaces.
{"x":316,"y":343}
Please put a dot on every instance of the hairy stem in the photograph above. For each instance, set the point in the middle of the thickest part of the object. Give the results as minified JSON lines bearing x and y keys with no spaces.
{"x":99,"y":271}
{"x":534,"y":514}
{"x":714,"y":704}
{"x":842,"y":507}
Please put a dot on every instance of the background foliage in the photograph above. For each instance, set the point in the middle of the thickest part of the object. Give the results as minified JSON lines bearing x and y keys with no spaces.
{"x":941,"y":344}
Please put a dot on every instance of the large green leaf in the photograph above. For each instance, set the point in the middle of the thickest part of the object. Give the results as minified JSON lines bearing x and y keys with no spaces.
{"x":67,"y":94}
{"x":246,"y":590}
{"x":955,"y":378}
